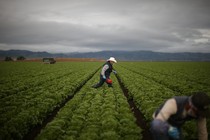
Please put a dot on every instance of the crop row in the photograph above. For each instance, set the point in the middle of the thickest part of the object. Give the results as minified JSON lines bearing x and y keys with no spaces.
{"x":149,"y":89}
{"x":20,"y":112}
{"x":94,"y":114}
{"x":144,"y":91}
{"x":31,"y":91}
{"x":19,"y":82}
{"x":173,"y":77}
{"x":191,"y":71}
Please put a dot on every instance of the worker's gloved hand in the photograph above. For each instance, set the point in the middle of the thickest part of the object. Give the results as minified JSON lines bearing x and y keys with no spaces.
{"x":159,"y":127}
{"x":115,"y":72}
{"x":173,"y":132}
{"x":104,"y":77}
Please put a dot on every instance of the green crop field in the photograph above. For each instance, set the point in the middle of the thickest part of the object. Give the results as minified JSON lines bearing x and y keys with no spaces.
{"x":56,"y":102}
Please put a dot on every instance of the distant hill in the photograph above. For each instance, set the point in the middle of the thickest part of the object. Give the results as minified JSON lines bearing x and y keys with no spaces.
{"x":119,"y":55}
{"x":145,"y":56}
{"x":25,"y":53}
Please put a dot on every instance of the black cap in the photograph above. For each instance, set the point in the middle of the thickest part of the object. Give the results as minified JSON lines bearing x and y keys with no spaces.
{"x":202,"y":102}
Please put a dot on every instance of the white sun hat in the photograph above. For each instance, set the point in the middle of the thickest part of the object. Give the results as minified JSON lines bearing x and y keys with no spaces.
{"x":112,"y":59}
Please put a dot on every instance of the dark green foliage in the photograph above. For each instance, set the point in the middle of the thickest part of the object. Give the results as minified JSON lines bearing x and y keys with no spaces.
{"x":151,"y":83}
{"x":21,"y":58}
{"x":7,"y":58}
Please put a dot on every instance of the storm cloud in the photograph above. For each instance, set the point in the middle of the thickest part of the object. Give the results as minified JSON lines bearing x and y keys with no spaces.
{"x":96,"y":25}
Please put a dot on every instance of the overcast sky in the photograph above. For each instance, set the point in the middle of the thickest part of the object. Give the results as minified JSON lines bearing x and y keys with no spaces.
{"x":96,"y":25}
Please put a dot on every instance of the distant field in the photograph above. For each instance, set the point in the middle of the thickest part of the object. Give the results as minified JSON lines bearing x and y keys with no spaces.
{"x":45,"y":101}
{"x":59,"y":60}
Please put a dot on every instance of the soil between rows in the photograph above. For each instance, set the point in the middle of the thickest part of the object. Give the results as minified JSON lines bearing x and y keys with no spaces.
{"x":140,"y":120}
{"x":33,"y":133}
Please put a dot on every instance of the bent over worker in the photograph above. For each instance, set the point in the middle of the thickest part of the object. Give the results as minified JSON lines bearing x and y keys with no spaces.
{"x":172,"y":114}
{"x":105,"y":73}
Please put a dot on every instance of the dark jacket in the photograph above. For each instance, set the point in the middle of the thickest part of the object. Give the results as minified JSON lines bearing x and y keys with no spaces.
{"x":177,"y":119}
{"x":109,"y":70}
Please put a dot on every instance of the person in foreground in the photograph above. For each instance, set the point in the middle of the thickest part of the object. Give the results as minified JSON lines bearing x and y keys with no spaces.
{"x":105,"y":73}
{"x":171,"y":115}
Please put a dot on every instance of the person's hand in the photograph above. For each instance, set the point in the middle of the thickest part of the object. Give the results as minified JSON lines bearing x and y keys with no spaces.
{"x":115,"y":72}
{"x":173,"y":132}
{"x":159,"y":126}
{"x":104,"y":77}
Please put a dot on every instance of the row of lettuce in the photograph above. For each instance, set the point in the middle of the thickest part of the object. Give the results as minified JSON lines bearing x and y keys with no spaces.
{"x":94,"y":114}
{"x":31,"y":91}
{"x":18,"y":77}
{"x":27,"y":97}
{"x":151,"y":83}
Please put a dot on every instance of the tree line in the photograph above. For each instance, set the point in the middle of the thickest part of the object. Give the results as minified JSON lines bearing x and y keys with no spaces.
{"x":8,"y":58}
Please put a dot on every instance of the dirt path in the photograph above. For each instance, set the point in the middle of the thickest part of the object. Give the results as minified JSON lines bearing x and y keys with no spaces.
{"x":140,"y":120}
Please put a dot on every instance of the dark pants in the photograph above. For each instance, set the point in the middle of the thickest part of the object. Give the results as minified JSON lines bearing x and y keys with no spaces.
{"x":101,"y":82}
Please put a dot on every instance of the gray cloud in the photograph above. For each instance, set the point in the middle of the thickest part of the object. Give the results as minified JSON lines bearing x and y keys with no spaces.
{"x":95,"y":25}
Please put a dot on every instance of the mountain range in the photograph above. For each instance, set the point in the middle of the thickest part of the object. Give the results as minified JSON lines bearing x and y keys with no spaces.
{"x":119,"y":55}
